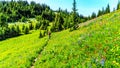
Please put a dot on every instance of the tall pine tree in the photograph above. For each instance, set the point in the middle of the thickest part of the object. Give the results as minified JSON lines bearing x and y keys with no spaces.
{"x":93,"y":15}
{"x":74,"y":15}
{"x":118,"y":5}
{"x":107,"y":9}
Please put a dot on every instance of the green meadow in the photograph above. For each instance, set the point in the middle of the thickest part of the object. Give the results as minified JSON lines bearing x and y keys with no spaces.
{"x":95,"y":44}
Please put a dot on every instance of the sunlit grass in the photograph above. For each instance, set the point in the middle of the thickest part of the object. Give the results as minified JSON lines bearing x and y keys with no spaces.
{"x":94,"y":45}
{"x":20,"y":51}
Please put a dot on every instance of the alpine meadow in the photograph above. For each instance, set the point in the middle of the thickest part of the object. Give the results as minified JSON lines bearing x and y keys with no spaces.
{"x":34,"y":35}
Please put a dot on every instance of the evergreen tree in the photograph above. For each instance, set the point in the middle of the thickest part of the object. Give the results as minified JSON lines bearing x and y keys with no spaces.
{"x":18,"y":30}
{"x":93,"y":15}
{"x":57,"y":25}
{"x":31,"y":26}
{"x":3,"y":20}
{"x":66,"y":23}
{"x":40,"y":34}
{"x":74,"y":14}
{"x":103,"y":11}
{"x":2,"y":34}
{"x":21,"y":10}
{"x":107,"y":9}
{"x":99,"y":13}
{"x":118,"y":5}
{"x":26,"y":30}
{"x":13,"y":31}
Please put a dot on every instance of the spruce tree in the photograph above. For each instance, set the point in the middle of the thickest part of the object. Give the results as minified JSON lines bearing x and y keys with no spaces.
{"x":93,"y":15}
{"x":57,"y":25}
{"x":103,"y":11}
{"x":18,"y":31}
{"x":74,"y":13}
{"x":26,"y":30}
{"x":40,"y":34}
{"x":99,"y":13}
{"x":118,"y":5}
{"x":107,"y":9}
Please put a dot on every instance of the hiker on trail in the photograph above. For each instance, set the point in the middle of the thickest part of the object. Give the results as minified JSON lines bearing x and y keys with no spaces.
{"x":49,"y":34}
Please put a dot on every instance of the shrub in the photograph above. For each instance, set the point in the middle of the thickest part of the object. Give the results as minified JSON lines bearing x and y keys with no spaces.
{"x":26,"y":30}
{"x":23,"y":19}
{"x":13,"y":31}
{"x":40,"y":34}
{"x":2,"y":34}
{"x":37,"y":26}
{"x":23,"y":28}
{"x":18,"y":30}
{"x":31,"y":26}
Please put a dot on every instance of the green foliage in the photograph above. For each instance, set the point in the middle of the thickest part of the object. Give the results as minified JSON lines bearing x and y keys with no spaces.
{"x":75,"y":17}
{"x":18,"y":30}
{"x":21,"y":10}
{"x":66,"y":23}
{"x":2,"y":34}
{"x":74,"y":11}
{"x":37,"y":26}
{"x":23,"y":27}
{"x":93,"y":15}
{"x":23,"y":19}
{"x":95,"y":44}
{"x":99,"y":13}
{"x":8,"y":32}
{"x":31,"y":26}
{"x":58,"y":22}
{"x":13,"y":31}
{"x":39,"y":18}
{"x":107,"y":9}
{"x":40,"y":34}
{"x":118,"y":5}
{"x":26,"y":30}
{"x":48,"y":15}
{"x":44,"y":24}
{"x":3,"y":20}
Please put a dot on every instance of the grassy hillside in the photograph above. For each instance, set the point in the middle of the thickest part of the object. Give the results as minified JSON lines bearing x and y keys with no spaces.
{"x":94,"y":45}
{"x":19,"y":52}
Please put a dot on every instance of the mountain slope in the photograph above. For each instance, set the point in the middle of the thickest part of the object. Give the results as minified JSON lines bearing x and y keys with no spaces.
{"x":94,"y":45}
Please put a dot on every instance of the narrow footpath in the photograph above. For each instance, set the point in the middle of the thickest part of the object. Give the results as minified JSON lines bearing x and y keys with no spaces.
{"x":33,"y":63}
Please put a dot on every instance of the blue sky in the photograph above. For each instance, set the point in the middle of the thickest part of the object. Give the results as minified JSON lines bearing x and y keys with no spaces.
{"x":85,"y":7}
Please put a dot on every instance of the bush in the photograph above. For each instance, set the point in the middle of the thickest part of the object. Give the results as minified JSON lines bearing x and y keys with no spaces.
{"x":23,"y":19}
{"x":26,"y":30}
{"x":44,"y":33}
{"x":37,"y":26}
{"x":2,"y":34}
{"x":44,"y":24}
{"x":40,"y":34}
{"x":18,"y":30}
{"x":7,"y":32}
{"x":31,"y":26}
{"x":13,"y":31}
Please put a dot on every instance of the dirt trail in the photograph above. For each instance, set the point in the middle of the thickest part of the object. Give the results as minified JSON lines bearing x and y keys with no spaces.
{"x":33,"y":63}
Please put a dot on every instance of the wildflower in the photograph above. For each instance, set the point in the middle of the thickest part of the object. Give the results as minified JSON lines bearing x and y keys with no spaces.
{"x":102,"y":62}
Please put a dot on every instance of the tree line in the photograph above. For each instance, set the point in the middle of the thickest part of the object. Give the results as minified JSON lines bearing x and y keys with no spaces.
{"x":14,"y":11}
